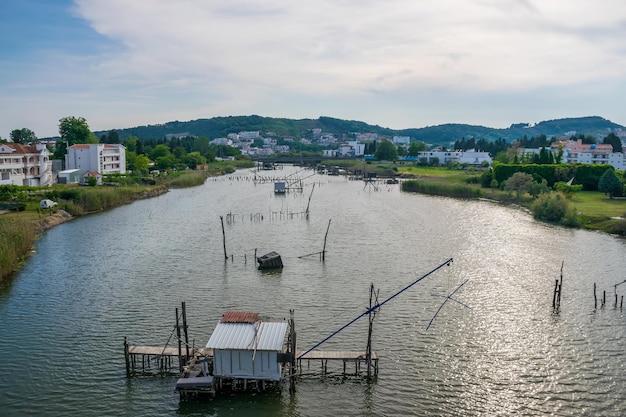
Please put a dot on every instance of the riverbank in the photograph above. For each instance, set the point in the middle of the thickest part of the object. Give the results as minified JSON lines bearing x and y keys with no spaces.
{"x":591,"y":210}
{"x":19,"y":230}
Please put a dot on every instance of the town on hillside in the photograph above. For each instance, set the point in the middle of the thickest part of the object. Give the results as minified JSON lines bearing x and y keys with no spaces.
{"x":27,"y":161}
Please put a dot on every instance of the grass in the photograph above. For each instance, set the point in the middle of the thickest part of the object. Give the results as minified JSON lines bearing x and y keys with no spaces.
{"x":595,"y":204}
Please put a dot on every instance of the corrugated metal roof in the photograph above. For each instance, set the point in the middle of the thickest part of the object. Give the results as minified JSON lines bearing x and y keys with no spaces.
{"x":245,"y":336}
{"x":240,"y":317}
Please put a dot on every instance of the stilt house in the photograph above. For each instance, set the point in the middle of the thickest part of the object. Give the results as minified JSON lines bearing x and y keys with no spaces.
{"x":245,"y":347}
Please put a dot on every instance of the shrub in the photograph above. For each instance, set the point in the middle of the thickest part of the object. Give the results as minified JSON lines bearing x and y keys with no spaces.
{"x":566,"y":189}
{"x":554,"y":208}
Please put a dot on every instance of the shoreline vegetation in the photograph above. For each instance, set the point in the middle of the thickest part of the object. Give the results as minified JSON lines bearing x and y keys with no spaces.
{"x":19,"y":230}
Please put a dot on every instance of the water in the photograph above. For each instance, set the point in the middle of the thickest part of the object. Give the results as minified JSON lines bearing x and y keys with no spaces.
{"x":96,"y":279}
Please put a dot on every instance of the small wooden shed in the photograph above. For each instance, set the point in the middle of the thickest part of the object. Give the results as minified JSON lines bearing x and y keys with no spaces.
{"x":245,"y":347}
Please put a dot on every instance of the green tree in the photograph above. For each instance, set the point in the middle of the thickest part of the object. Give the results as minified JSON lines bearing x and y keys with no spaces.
{"x":416,"y":147}
{"x":610,"y":184}
{"x":386,"y":151}
{"x":518,"y":182}
{"x":159,"y":151}
{"x":75,"y":130}
{"x":23,"y":135}
{"x":536,"y":188}
{"x":401,"y":150}
{"x":613,"y":140}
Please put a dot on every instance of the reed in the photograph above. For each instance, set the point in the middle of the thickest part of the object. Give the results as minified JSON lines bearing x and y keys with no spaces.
{"x":456,"y":190}
{"x":188,"y":179}
{"x":17,"y":237}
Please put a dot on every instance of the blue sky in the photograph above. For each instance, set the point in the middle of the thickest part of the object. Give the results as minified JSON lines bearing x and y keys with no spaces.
{"x":398,"y":63}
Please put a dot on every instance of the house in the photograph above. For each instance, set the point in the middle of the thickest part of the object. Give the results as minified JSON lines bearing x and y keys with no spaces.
{"x":103,"y":158}
{"x":475,"y":158}
{"x":25,"y":164}
{"x":247,"y":348}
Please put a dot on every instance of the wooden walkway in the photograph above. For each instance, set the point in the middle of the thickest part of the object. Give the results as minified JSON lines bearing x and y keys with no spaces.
{"x":157,"y":358}
{"x":346,"y":356}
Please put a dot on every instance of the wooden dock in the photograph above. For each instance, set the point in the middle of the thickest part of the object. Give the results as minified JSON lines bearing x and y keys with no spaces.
{"x":357,"y":358}
{"x":158,"y":359}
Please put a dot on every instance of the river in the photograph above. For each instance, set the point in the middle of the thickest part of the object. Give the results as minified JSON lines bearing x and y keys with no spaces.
{"x":499,"y":350}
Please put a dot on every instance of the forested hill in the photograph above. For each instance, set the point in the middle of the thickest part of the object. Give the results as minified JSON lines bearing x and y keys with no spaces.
{"x":217,"y":127}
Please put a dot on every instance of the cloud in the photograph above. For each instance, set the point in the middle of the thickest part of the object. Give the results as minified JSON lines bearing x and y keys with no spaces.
{"x":350,"y":45}
{"x":195,"y":58}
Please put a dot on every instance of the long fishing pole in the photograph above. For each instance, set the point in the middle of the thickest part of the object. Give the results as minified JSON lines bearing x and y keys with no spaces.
{"x":377,"y":306}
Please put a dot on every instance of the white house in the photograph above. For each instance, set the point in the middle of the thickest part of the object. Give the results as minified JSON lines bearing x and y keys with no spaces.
{"x":103,"y":158}
{"x":25,"y":164}
{"x":401,"y":140}
{"x":443,"y":157}
{"x":245,"y":347}
{"x":474,"y":158}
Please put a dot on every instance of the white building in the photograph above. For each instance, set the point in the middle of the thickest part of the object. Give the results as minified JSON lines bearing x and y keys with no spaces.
{"x":103,"y":158}
{"x":25,"y":164}
{"x":401,"y":140}
{"x":475,"y":158}
{"x":442,"y":157}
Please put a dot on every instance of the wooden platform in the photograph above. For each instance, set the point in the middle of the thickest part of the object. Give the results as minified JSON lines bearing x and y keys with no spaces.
{"x":151,"y":359}
{"x":345,"y":356}
{"x":169,"y":351}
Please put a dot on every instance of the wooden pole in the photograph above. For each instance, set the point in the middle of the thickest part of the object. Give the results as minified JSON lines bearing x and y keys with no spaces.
{"x":595,"y":298}
{"x":184,"y":307}
{"x":368,"y":350}
{"x":325,"y":237}
{"x":556,"y":288}
{"x":223,"y":237}
{"x":180,"y":351}
{"x":126,"y":357}
{"x":292,"y":348}
{"x":558,"y":300}
{"x":309,"y":203}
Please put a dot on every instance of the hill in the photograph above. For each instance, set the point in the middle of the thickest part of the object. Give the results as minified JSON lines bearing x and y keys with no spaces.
{"x":217,"y":127}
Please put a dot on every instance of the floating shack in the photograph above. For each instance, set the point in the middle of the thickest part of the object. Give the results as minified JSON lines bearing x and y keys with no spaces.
{"x":270,"y":260}
{"x":280,"y":187}
{"x":247,"y":349}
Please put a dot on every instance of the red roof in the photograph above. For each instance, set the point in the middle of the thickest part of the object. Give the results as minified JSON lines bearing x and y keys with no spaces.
{"x":239,"y":317}
{"x":22,"y":149}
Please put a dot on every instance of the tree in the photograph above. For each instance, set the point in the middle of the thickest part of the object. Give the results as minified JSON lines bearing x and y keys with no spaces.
{"x":518,"y":182}
{"x":613,"y":140}
{"x":416,"y":147}
{"x":386,"y":151}
{"x":23,"y":135}
{"x":610,"y":184}
{"x":75,"y":130}
{"x":401,"y":150}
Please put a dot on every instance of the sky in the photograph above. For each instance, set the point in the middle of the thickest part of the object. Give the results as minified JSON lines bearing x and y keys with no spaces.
{"x":394,"y":63}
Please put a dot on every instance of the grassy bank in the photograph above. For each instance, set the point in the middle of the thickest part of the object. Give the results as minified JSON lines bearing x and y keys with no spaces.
{"x":594,"y":210}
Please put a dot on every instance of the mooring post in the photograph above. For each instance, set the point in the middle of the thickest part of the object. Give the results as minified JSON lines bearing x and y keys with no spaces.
{"x":603,"y":297}
{"x":126,"y":357}
{"x":180,"y":351}
{"x":556,"y":288}
{"x":621,"y":302}
{"x":223,"y":237}
{"x":325,"y":237}
{"x":615,"y":300}
{"x":595,"y":298}
{"x":558,"y":299}
{"x":184,"y":307}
